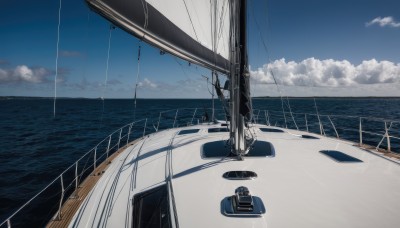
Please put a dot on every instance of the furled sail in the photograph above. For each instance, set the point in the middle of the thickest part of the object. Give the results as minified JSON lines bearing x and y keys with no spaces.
{"x":197,"y":31}
{"x":245,"y":108}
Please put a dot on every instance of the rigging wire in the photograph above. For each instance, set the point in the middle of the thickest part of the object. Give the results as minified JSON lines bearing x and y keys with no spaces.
{"x":277,"y":85}
{"x":198,"y":19}
{"x":107,"y":64}
{"x":321,"y":128}
{"x":208,"y":83}
{"x":218,"y":34}
{"x":259,"y":32}
{"x":280,"y":95}
{"x":137,"y":78}
{"x":57,"y":54}
{"x":272,"y":73}
{"x":214,"y":46}
{"x":183,"y":70}
{"x":86,"y":41}
{"x":221,"y":23}
{"x":283,"y":110}
{"x":291,"y":114}
{"x":190,"y":18}
{"x":212,"y":96}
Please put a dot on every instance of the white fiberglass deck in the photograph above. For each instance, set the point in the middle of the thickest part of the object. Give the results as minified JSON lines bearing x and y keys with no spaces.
{"x":300,"y":187}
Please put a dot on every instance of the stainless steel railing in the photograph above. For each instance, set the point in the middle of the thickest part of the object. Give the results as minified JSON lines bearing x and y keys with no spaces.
{"x":99,"y":153}
{"x":377,"y":132}
{"x":88,"y":162}
{"x":352,"y":128}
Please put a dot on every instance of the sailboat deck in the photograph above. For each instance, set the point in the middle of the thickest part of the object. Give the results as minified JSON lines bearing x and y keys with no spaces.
{"x":299,"y":186}
{"x":72,"y":204}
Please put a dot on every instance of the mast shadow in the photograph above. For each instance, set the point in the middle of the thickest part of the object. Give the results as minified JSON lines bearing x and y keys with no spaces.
{"x":201,"y":167}
{"x":160,"y":150}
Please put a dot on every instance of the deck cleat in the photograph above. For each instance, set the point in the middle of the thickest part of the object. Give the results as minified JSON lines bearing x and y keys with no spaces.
{"x":242,"y":204}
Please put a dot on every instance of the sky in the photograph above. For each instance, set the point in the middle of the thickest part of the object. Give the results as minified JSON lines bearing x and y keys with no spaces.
{"x":311,"y":47}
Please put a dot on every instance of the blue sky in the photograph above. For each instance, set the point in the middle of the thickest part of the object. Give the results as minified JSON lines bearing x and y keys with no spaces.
{"x":316,"y":47}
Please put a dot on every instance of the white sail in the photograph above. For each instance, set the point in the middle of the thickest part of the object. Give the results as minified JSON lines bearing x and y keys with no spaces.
{"x":197,"y":31}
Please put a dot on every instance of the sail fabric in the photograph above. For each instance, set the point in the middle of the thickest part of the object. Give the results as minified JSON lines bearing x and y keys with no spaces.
{"x":245,"y":108}
{"x":194,"y":30}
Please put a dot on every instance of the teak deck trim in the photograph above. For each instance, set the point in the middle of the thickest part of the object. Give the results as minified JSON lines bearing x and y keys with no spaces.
{"x":72,"y":204}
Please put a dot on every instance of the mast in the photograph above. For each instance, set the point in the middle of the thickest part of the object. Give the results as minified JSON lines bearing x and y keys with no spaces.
{"x":239,"y":91}
{"x":186,"y":30}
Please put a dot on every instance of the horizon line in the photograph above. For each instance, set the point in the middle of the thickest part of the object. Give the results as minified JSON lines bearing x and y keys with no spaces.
{"x":257,"y":97}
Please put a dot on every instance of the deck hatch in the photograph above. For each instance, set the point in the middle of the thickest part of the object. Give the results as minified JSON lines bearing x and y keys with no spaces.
{"x":240,"y":175}
{"x":151,"y":208}
{"x":189,"y":131}
{"x":265,"y":129}
{"x":220,"y":149}
{"x":339,"y":156}
{"x":309,"y":137}
{"x":218,"y":129}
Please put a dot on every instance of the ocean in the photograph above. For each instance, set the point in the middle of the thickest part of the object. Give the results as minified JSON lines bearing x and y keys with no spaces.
{"x":35,"y":146}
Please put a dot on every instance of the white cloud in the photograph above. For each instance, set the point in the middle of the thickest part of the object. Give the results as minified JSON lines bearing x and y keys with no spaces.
{"x":331,"y":73}
{"x":187,"y":88}
{"x":386,"y":21}
{"x":25,"y":74}
{"x":146,"y":83}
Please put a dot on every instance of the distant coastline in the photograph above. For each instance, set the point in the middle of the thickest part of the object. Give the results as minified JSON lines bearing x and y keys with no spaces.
{"x":262,"y":97}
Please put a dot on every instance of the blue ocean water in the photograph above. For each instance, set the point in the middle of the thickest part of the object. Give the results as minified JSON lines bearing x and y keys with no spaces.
{"x":36,"y":147}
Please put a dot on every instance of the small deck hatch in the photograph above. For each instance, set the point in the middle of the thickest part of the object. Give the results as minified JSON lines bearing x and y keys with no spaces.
{"x":218,"y":129}
{"x":309,"y":137}
{"x":240,"y":175}
{"x":189,"y":131}
{"x":339,"y":156}
{"x":265,"y":129}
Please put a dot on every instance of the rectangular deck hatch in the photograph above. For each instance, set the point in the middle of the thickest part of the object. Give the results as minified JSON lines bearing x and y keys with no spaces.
{"x":274,"y":130}
{"x":151,"y":208}
{"x":218,"y":129}
{"x":339,"y":156}
{"x":188,"y":131}
{"x":219,"y":149}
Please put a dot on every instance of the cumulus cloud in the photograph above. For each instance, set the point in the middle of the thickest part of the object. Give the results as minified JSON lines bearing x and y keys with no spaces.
{"x":188,"y":88}
{"x":386,"y":21}
{"x":84,"y":84}
{"x":332,"y":73}
{"x":25,"y":74}
{"x":146,"y":83}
